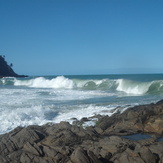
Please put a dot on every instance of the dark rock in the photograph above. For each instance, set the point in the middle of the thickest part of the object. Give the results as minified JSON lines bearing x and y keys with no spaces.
{"x":49,"y":151}
{"x":33,"y":148}
{"x":79,"y":156}
{"x":160,"y":102}
{"x":144,"y":118}
{"x":157,"y":148}
{"x":80,"y":122}
{"x":93,"y":157}
{"x":66,"y":143}
{"x":6,"y":70}
{"x":146,"y":154}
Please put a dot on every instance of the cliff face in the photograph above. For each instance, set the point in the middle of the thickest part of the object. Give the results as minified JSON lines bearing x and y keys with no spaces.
{"x":6,"y":70}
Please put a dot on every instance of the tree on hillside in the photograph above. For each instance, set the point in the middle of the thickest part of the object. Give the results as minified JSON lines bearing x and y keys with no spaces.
{"x":3,"y":56}
{"x":11,"y":65}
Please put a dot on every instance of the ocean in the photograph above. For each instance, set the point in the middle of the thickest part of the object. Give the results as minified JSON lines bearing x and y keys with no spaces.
{"x":40,"y":100}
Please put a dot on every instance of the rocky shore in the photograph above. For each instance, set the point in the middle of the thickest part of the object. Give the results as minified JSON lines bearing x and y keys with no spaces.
{"x":103,"y":143}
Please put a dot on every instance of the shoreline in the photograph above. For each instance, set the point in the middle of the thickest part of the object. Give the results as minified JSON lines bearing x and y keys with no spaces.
{"x":104,"y":142}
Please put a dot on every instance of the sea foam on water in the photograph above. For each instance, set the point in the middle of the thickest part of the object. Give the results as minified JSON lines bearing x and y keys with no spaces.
{"x":39,"y":100}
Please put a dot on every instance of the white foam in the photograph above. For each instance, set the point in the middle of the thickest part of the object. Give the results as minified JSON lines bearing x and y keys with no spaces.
{"x":85,"y":111}
{"x":13,"y":118}
{"x":76,"y":94}
{"x":39,"y":115}
{"x":12,"y":97}
{"x":23,"y":106}
{"x":41,"y":82}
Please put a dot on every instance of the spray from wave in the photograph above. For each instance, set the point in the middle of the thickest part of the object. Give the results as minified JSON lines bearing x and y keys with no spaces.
{"x":41,"y":82}
{"x":140,"y":88}
{"x":131,"y":87}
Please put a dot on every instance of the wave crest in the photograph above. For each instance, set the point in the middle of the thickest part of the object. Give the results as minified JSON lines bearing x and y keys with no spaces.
{"x":41,"y":82}
{"x":131,"y":87}
{"x":118,"y":85}
{"x":139,"y":88}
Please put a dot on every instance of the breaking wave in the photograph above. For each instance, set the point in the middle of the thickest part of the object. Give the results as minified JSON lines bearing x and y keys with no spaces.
{"x":41,"y":82}
{"x":117,"y":85}
{"x":140,"y":88}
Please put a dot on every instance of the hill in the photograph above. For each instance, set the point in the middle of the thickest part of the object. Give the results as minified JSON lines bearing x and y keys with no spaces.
{"x":6,"y":70}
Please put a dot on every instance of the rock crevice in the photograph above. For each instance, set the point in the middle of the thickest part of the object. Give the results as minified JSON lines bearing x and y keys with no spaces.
{"x":103,"y":143}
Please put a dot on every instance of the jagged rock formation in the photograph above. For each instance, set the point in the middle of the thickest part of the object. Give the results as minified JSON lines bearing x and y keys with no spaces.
{"x":65,"y":143}
{"x":6,"y":70}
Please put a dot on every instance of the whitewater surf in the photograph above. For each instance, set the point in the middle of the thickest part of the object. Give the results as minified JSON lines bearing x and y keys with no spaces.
{"x":39,"y":100}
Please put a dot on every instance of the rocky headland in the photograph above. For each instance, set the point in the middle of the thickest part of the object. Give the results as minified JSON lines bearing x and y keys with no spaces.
{"x":106,"y":142}
{"x":6,"y":70}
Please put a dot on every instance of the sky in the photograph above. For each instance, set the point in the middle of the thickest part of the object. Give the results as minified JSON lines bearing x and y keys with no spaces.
{"x":74,"y":37}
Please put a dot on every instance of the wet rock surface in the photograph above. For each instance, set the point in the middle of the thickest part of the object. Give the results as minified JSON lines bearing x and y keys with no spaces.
{"x":102,"y":143}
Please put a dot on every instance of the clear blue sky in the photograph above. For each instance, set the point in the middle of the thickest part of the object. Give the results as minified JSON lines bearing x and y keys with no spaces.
{"x":61,"y":37}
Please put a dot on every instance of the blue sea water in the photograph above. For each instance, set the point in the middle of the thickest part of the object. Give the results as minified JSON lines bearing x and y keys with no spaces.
{"x":39,"y":100}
